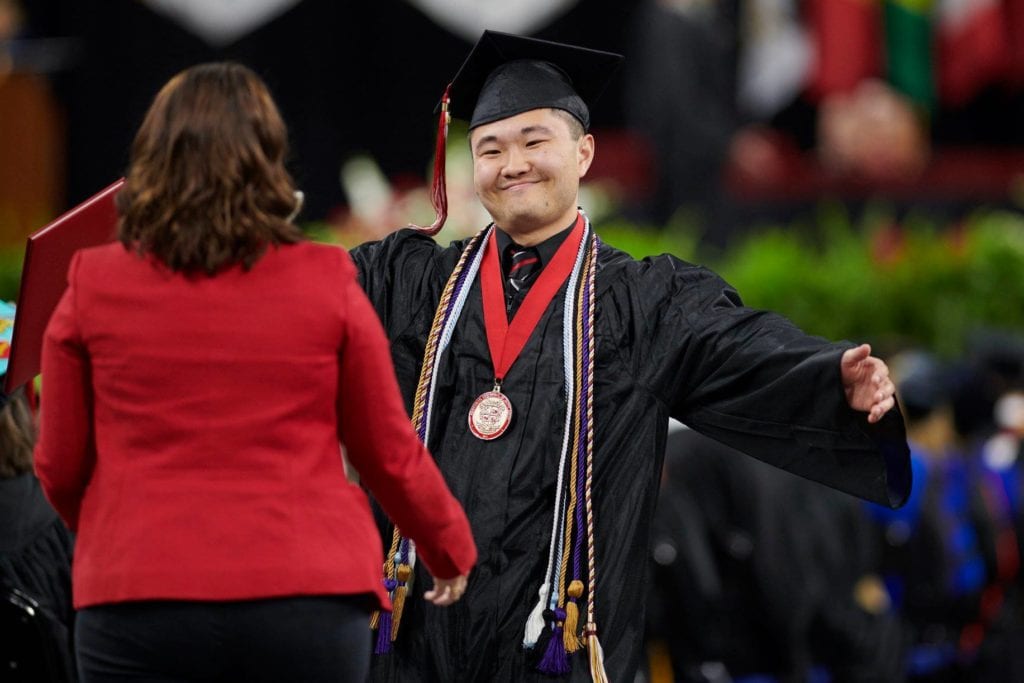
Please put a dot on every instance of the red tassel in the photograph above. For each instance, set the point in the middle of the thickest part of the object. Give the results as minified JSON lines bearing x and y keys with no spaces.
{"x":438,"y":187}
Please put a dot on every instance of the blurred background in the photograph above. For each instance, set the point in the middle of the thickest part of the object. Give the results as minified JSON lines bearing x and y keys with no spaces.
{"x":857,"y":165}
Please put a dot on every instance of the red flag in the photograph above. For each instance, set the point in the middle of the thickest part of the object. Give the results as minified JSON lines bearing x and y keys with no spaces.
{"x":973,"y":47}
{"x":1014,"y":13}
{"x":847,"y":37}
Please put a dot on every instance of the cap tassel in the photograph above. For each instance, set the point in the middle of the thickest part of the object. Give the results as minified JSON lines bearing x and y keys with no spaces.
{"x":438,"y":187}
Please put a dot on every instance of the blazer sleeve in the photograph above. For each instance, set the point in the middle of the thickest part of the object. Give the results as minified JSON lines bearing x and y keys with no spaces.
{"x":65,"y":452}
{"x":381,"y":443}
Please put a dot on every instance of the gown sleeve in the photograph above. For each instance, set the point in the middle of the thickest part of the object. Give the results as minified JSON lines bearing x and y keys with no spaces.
{"x":400,"y":277}
{"x":754,"y":381}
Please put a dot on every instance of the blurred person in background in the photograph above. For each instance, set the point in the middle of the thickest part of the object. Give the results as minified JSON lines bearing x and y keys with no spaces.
{"x":35,"y":545}
{"x":950,"y":556}
{"x":680,"y":94}
{"x":986,"y":404}
{"x":1003,"y":452}
{"x":767,"y":96}
{"x":199,"y":375}
{"x":762,"y":576}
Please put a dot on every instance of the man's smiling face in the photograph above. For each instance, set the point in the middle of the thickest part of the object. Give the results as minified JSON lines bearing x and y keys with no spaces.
{"x":527,"y":170}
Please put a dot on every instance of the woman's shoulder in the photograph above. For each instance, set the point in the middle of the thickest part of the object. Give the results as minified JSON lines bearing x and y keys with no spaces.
{"x":105,"y":253}
{"x":317,"y":256}
{"x":106,"y":261}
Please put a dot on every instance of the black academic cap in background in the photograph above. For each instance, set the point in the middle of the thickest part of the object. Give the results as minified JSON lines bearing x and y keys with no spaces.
{"x":505,"y":75}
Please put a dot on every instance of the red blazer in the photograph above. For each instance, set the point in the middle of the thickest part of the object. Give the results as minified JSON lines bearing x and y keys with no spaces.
{"x":190,"y":432}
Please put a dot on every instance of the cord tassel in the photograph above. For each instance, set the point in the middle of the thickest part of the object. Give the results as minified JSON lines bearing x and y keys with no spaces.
{"x":572,"y":616}
{"x":403,"y":574}
{"x":397,"y":605}
{"x":597,"y":672}
{"x":535,"y":622}
{"x":438,"y":186}
{"x":571,"y":641}
{"x":381,"y":621}
{"x":383,"y":635}
{"x":555,"y":661}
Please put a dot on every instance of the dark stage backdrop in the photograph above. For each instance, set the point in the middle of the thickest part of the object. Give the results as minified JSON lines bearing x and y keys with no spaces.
{"x":350,"y":77}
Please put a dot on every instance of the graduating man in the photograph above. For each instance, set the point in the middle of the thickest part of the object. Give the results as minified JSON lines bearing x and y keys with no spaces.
{"x":541,"y":366}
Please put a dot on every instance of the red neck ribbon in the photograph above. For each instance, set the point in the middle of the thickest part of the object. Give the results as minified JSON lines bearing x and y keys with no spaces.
{"x":506,"y":340}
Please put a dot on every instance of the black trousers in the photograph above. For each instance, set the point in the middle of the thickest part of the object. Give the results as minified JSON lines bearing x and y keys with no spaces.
{"x":309,"y":639}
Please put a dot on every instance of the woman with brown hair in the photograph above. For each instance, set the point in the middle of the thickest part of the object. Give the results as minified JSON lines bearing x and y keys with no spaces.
{"x":198,"y":377}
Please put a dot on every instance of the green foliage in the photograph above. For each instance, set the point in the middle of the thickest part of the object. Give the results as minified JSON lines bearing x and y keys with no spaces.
{"x":680,"y":237}
{"x":11,"y":259}
{"x":893,"y":284}
{"x":913,"y":283}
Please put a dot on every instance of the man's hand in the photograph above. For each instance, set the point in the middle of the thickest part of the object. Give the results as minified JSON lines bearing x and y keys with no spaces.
{"x":866,"y":382}
{"x":446,"y":591}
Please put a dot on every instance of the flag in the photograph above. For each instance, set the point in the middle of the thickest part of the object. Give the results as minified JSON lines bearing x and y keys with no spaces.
{"x":847,"y":40}
{"x":974,"y":48}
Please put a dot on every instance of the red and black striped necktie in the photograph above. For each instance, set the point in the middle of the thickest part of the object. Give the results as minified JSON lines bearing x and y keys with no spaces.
{"x":523,"y":268}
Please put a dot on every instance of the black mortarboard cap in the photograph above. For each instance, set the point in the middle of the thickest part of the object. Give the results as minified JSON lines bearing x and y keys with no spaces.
{"x":922,"y":381}
{"x":505,"y":75}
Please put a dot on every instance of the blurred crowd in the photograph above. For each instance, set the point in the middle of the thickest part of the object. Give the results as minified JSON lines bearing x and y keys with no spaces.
{"x":725,"y":107}
{"x":759,"y":576}
{"x":785,"y":100}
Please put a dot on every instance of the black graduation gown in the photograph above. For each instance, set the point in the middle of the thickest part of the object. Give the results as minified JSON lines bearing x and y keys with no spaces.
{"x":35,"y":558}
{"x":672,"y":339}
{"x":756,"y":569}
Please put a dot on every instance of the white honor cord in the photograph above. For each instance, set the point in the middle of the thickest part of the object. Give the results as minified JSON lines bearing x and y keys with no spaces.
{"x":535,"y":622}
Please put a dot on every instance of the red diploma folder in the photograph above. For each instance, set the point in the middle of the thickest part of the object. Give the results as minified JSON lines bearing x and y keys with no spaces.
{"x":48,"y":254}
